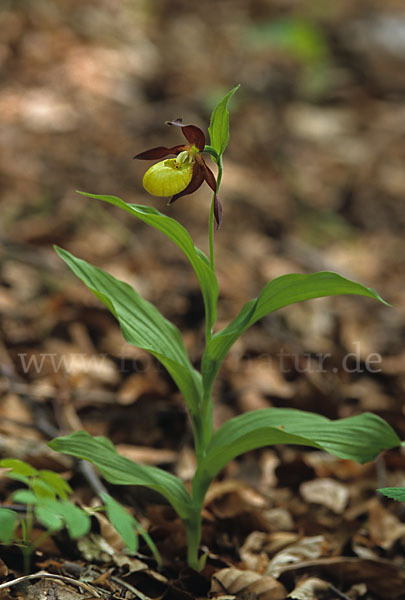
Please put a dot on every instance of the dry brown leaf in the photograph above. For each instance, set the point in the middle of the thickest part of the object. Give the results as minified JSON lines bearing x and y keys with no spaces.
{"x":278,"y":519}
{"x":37,"y":453}
{"x":385,"y":528}
{"x":363,"y":547}
{"x":140,"y":383}
{"x":230,"y":497}
{"x":358,"y":590}
{"x":382,"y":577}
{"x":186,"y":464}
{"x":307,"y":589}
{"x":252,"y":551}
{"x":307,"y":548}
{"x":147,"y":456}
{"x":326,"y":465}
{"x":247,"y":583}
{"x":326,"y":491}
{"x":269,"y":461}
{"x":279,"y":540}
{"x":16,"y":418}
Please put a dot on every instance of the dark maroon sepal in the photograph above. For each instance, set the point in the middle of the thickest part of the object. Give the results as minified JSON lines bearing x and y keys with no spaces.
{"x":209,"y":177}
{"x":196,"y":181}
{"x":192,"y":133}
{"x":217,"y":211}
{"x":159,"y":152}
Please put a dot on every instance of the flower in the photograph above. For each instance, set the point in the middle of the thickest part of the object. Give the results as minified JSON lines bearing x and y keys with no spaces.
{"x":184,"y":174}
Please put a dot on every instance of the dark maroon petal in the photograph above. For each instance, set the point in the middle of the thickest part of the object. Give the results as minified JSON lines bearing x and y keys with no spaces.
{"x":209,"y":176}
{"x":196,"y":181}
{"x":159,"y":152}
{"x":192,"y":133}
{"x":217,"y":211}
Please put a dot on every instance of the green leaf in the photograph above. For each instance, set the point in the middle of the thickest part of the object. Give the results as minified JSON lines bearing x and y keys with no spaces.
{"x":128,"y":527}
{"x":122,"y":521}
{"x":142,"y":325}
{"x":21,"y":478}
{"x":358,"y":438}
{"x":219,"y":124}
{"x":24,"y":497}
{"x":56,"y":482}
{"x":395,"y":493}
{"x":280,"y":292}
{"x":76,"y":519}
{"x":180,"y":236}
{"x":42,"y":489}
{"x":19,"y":467}
{"x":47,"y":511}
{"x":122,"y":471}
{"x":8,"y":523}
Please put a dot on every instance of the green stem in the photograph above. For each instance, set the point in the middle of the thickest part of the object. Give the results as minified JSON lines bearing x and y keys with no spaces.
{"x":193,"y":530}
{"x":203,"y":419}
{"x":211,"y":219}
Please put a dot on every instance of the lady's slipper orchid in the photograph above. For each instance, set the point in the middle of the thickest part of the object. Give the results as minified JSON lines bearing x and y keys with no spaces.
{"x":184,"y":174}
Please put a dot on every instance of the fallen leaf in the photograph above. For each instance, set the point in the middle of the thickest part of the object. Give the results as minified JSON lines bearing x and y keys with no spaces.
{"x":145,"y":455}
{"x":308,"y":589}
{"x":385,"y":528}
{"x":326,"y":491}
{"x":382,"y":577}
{"x":306,"y":549}
{"x":247,"y":584}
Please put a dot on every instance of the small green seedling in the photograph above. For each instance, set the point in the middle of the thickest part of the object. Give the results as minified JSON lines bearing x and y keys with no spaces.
{"x":359,"y":438}
{"x":46,"y":501}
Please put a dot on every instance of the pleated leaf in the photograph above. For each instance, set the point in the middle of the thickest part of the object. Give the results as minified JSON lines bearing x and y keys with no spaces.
{"x":122,"y":471}
{"x":280,"y":292}
{"x":180,"y":236}
{"x":358,"y":438}
{"x":141,"y":324}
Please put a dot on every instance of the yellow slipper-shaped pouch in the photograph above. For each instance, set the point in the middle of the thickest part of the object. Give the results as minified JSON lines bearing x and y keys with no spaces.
{"x":168,"y":177}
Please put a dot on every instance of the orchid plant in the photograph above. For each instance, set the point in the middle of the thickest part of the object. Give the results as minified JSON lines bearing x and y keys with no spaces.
{"x":359,"y":438}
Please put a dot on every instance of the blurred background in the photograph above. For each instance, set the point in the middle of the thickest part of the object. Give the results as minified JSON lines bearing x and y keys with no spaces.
{"x":313,"y":179}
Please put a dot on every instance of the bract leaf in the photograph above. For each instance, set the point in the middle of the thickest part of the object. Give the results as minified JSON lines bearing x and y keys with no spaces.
{"x":395,"y":493}
{"x":180,"y":236}
{"x":280,"y":292}
{"x":122,"y":521}
{"x":219,"y":123}
{"x":141,"y":324}
{"x":8,"y":522}
{"x":122,"y":471}
{"x":358,"y":438}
